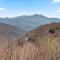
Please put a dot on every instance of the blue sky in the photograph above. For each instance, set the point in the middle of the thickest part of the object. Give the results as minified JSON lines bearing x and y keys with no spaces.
{"x":12,"y":8}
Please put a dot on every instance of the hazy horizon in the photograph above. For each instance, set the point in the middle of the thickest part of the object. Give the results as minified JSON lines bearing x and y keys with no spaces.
{"x":28,"y":15}
{"x":13,"y":8}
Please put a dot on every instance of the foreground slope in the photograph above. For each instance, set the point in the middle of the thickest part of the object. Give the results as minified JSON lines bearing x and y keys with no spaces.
{"x":42,"y":43}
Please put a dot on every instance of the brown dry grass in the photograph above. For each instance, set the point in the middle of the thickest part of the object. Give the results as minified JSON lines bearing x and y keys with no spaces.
{"x":43,"y":49}
{"x":26,"y":52}
{"x":1,"y":51}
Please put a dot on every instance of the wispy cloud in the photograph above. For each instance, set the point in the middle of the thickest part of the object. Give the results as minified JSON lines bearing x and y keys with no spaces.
{"x":2,"y":9}
{"x":56,"y":1}
{"x":58,"y":10}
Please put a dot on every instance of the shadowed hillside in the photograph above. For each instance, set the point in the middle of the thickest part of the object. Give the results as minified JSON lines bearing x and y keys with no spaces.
{"x":42,"y":43}
{"x":8,"y":33}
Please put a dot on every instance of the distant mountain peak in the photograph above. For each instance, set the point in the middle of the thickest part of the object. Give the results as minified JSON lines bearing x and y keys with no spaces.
{"x":39,"y":15}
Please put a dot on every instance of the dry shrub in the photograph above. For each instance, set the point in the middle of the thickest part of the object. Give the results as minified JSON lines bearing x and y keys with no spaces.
{"x":47,"y":48}
{"x":25,"y":52}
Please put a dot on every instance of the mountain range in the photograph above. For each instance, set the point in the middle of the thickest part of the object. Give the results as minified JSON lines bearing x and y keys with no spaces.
{"x":28,"y":23}
{"x":11,"y":28}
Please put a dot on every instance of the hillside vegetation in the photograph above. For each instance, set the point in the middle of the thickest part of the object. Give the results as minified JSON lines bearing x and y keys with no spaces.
{"x":42,"y":43}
